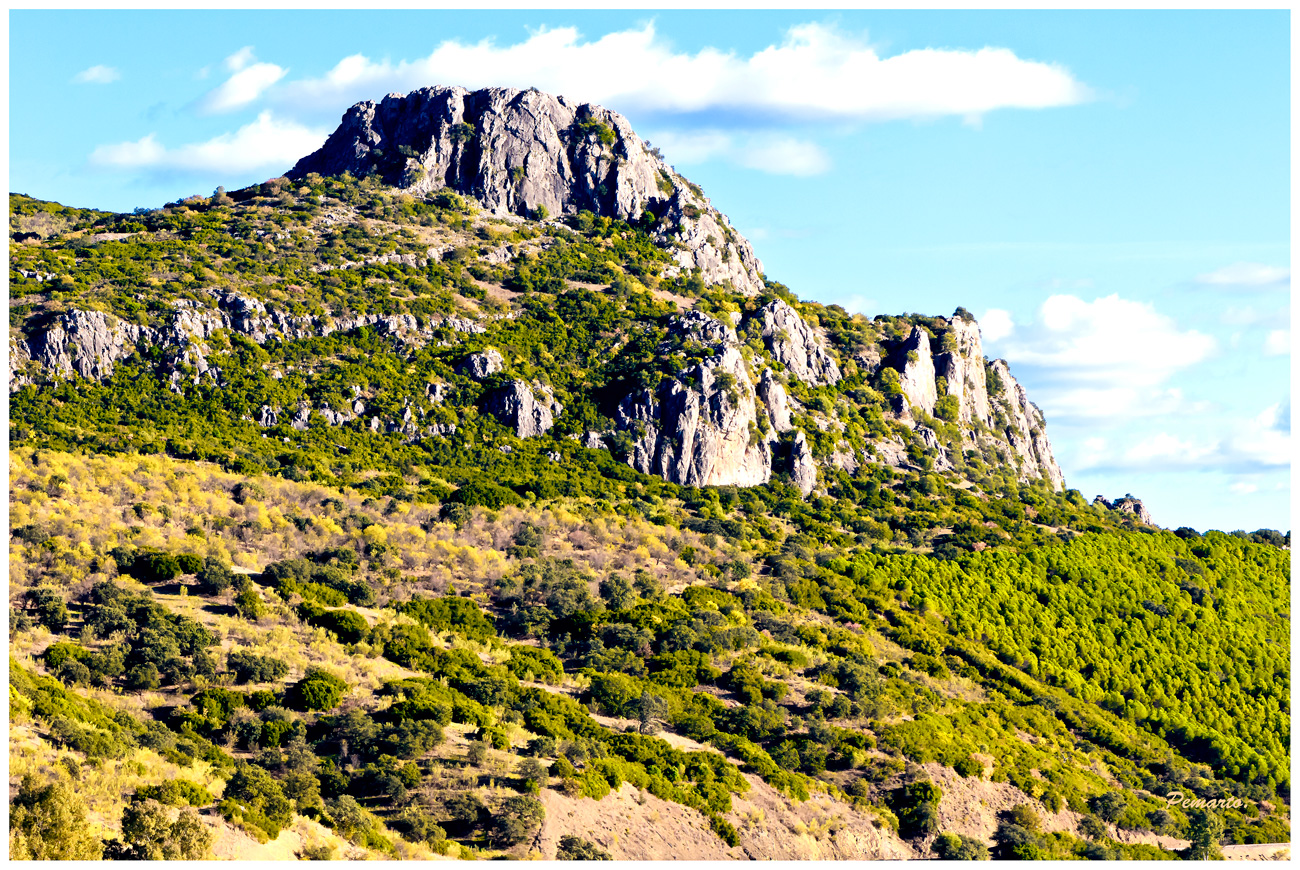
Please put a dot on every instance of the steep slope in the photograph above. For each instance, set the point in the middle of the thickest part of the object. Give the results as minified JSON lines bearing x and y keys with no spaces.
{"x":532,"y":154}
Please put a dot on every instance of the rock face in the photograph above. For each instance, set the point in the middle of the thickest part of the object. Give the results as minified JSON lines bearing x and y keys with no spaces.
{"x":917,"y":374}
{"x":482,"y":364}
{"x":521,"y":152}
{"x":1024,"y":428}
{"x":1127,"y":505}
{"x":775,"y":402}
{"x":803,"y":469}
{"x":89,"y":344}
{"x":796,"y":345}
{"x":529,"y":414}
{"x":963,"y":369}
{"x":700,"y":427}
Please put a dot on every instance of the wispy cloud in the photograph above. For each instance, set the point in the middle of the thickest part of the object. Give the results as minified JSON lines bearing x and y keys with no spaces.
{"x":1105,"y":359}
{"x":267,"y":142}
{"x":817,"y":71}
{"x":1257,"y":444}
{"x":1250,"y":276}
{"x":766,"y":152}
{"x":1277,"y":342}
{"x":97,"y":75}
{"x":247,"y":83}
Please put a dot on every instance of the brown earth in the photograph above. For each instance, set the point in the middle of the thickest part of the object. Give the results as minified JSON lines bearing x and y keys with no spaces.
{"x":637,"y":826}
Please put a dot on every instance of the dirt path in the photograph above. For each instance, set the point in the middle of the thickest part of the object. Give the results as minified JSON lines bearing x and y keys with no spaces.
{"x":1259,"y":852}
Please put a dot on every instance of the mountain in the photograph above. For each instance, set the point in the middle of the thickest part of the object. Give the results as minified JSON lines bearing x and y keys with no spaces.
{"x":471,"y":491}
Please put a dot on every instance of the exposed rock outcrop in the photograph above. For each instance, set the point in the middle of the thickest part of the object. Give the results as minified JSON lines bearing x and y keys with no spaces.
{"x":482,"y":364}
{"x":963,"y":369}
{"x":700,"y":427}
{"x":803,"y":468}
{"x":1023,"y":426}
{"x":1127,"y":505}
{"x":796,"y":345}
{"x":529,"y":153}
{"x":529,"y":413}
{"x":89,"y":344}
{"x":776,"y":403}
{"x":916,"y":375}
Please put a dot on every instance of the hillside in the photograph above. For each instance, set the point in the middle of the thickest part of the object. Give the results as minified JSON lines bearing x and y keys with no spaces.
{"x":471,"y":489}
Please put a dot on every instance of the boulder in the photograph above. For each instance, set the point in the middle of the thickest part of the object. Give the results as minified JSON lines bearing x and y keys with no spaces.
{"x":775,"y":402}
{"x":1127,"y":505}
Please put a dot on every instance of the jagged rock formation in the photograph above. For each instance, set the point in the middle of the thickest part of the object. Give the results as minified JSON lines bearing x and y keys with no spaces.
{"x":794,"y":344}
{"x":963,"y":369}
{"x":89,"y":344}
{"x":776,"y":404}
{"x":482,"y":364}
{"x":803,"y":469}
{"x":1127,"y":505}
{"x":916,"y":375}
{"x":529,"y":414}
{"x":700,"y":427}
{"x":528,"y":153}
{"x":1025,"y":430}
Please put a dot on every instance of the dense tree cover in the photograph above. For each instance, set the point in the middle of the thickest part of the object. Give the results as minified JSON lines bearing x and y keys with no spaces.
{"x":896,"y":617}
{"x":1188,"y":641}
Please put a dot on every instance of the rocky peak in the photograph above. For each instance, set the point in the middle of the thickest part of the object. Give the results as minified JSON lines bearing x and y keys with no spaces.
{"x":916,"y":375}
{"x":963,"y":369}
{"x":796,"y":345}
{"x":529,"y":153}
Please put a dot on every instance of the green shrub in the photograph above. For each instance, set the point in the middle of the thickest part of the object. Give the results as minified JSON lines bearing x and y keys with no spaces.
{"x":317,"y":690}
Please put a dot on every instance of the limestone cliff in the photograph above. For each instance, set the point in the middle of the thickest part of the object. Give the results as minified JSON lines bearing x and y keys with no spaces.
{"x":794,"y":344}
{"x":963,"y":370}
{"x":916,"y":374}
{"x":700,"y":428}
{"x":1023,"y":426}
{"x":530,"y":412}
{"x":529,"y":153}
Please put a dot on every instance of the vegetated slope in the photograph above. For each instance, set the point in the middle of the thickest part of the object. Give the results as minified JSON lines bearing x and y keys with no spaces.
{"x":387,"y":511}
{"x":793,"y":660}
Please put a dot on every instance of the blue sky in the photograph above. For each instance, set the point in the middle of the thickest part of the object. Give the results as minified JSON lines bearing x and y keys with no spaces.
{"x":1108,"y":191}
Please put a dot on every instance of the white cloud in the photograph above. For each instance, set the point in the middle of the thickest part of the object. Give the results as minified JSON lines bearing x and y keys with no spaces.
{"x":1258,"y":444}
{"x":1243,"y":488}
{"x":267,"y":142}
{"x":247,"y":83}
{"x":816,"y":72}
{"x":97,"y":75}
{"x":1106,"y":359}
{"x":784,"y":156}
{"x":1249,"y":275}
{"x":692,"y":147}
{"x":996,"y":324}
{"x":1277,"y":342}
{"x":240,"y":59}
{"x":775,"y":155}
